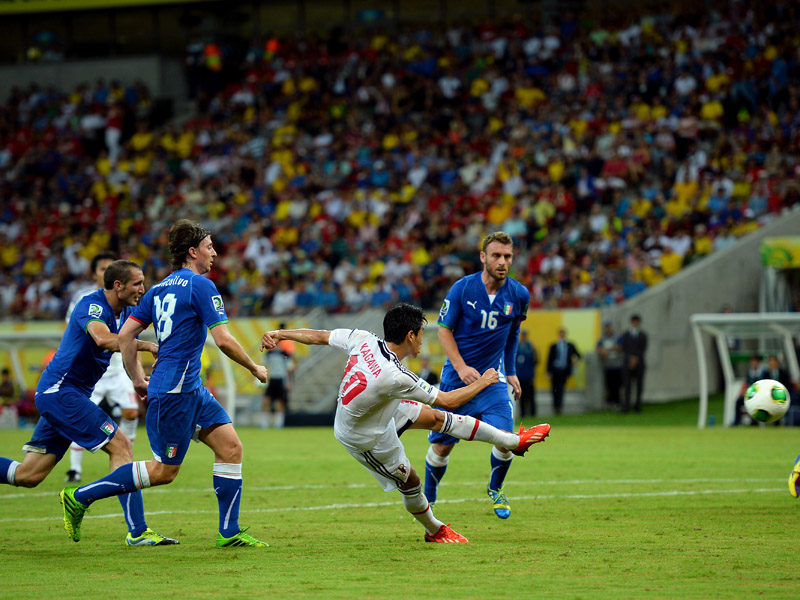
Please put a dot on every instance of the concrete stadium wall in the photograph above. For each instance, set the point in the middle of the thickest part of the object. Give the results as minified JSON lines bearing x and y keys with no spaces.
{"x":731,"y":276}
{"x":163,"y":76}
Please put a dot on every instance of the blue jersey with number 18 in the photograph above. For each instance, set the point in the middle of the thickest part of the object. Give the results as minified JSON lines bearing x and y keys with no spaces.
{"x":181,"y":308}
{"x":486,"y":331}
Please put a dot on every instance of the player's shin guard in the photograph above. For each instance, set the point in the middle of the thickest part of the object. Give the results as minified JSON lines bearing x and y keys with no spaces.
{"x":435,"y":467}
{"x":417,"y":504}
{"x":500,"y":461}
{"x":133,"y":509}
{"x":8,"y":469}
{"x":228,"y":487}
{"x":469,"y":428}
{"x":128,"y":427}
{"x":122,"y":480}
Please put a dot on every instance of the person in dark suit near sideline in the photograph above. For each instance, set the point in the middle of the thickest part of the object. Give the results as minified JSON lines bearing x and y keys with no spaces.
{"x":560,"y":360}
{"x":634,"y":346}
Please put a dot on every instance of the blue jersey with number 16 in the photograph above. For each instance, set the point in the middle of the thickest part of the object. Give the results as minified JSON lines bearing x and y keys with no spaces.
{"x":486,"y":331}
{"x":182,"y":307}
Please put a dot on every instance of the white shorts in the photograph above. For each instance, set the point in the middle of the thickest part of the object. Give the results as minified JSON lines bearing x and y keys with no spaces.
{"x":406,"y":414}
{"x":117,"y":389}
{"x":386,"y":460}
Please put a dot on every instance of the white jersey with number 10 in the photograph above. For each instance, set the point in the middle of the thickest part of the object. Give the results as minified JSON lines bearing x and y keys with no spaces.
{"x":374,"y":383}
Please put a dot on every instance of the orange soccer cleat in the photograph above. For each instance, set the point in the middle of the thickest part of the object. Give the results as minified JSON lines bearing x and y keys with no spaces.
{"x":445,"y":535}
{"x":529,"y":437}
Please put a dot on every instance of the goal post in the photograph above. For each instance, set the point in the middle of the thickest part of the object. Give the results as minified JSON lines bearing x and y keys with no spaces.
{"x":769,"y":330}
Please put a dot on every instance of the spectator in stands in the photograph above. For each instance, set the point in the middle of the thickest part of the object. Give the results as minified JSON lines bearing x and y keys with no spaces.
{"x":426,"y":160}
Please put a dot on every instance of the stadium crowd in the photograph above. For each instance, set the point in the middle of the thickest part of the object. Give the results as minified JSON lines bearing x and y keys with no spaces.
{"x":356,"y":171}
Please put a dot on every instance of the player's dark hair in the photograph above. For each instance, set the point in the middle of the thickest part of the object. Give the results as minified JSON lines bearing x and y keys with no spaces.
{"x":107,"y":255}
{"x":119,"y":270}
{"x":497,"y":236}
{"x":400,"y":319}
{"x":183,"y":235}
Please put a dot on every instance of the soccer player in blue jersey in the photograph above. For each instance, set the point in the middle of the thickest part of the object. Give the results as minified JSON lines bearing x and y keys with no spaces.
{"x":181,"y":308}
{"x":62,"y":395}
{"x":479,"y":328}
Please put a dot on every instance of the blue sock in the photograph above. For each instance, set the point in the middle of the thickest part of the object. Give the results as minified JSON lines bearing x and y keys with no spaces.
{"x":228,"y":488}
{"x":123,"y":480}
{"x":500,"y":464}
{"x":7,"y":469}
{"x":133,"y":509}
{"x":435,"y":467}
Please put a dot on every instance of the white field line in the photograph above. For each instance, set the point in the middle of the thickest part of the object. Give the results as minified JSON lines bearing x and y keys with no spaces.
{"x":172,"y":489}
{"x":339,"y":506}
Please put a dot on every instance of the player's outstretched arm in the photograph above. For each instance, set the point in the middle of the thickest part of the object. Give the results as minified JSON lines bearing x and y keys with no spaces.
{"x":318,"y":337}
{"x":233,"y":350}
{"x":455,"y":398}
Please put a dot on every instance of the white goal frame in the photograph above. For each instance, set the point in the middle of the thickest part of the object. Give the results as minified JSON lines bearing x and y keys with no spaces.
{"x":743,"y":326}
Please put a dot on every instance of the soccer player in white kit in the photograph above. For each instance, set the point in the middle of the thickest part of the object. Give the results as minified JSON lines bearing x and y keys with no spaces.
{"x":379,"y":398}
{"x":115,"y":387}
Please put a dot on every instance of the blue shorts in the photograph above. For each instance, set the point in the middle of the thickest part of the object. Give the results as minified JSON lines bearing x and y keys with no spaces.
{"x":69,"y":416}
{"x":172,"y":418}
{"x":493,"y":406}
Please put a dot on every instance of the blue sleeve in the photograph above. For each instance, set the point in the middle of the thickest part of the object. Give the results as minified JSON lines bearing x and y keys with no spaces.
{"x":143,"y":312}
{"x":451,"y":307}
{"x":86,"y":311}
{"x":207,"y":301}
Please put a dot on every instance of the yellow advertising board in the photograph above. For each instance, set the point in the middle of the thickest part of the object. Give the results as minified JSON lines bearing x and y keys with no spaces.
{"x":583,"y":329}
{"x":781,"y":252}
{"x":33,"y":354}
{"x":35,"y":6}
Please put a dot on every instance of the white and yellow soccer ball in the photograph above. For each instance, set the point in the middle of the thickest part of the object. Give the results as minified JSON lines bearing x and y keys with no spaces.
{"x":766,"y":400}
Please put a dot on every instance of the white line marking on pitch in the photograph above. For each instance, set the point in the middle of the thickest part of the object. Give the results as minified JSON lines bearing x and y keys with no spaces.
{"x":445,"y":485}
{"x":445,"y":501}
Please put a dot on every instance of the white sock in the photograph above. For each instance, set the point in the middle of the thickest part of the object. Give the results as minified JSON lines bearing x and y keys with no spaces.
{"x":278,"y":420}
{"x":263,"y":420}
{"x":417,"y":504}
{"x":75,"y":457}
{"x":141,"y":478}
{"x":11,"y":473}
{"x":227,"y":470}
{"x":434,"y":459}
{"x":128,"y":427}
{"x":500,"y":455}
{"x":470,"y":428}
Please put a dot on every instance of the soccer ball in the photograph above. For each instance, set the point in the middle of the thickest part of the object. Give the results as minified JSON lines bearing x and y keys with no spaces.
{"x":766,"y":400}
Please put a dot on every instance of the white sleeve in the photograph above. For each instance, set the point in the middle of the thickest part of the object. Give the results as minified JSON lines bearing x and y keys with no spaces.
{"x":346,"y":339}
{"x":410,"y":387}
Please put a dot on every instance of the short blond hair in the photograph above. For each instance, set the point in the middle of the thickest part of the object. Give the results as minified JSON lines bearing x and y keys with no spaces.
{"x":498,"y":236}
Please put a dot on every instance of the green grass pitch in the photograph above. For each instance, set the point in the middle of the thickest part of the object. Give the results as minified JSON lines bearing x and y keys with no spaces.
{"x":636,"y":506}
